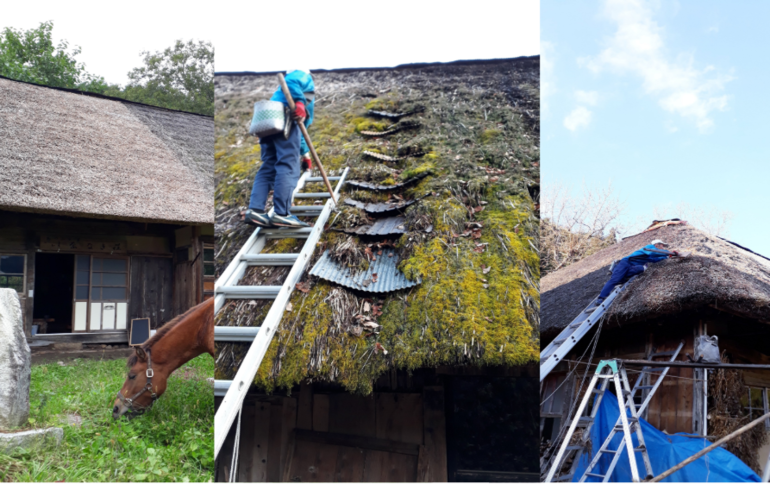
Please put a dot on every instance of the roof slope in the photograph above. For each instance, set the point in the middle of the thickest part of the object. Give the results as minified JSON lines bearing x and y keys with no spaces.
{"x":68,"y":153}
{"x":718,"y":274}
{"x":471,"y":243}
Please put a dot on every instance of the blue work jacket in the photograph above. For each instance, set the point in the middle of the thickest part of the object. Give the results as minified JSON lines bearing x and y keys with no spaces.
{"x":299,"y":83}
{"x":645,"y":256}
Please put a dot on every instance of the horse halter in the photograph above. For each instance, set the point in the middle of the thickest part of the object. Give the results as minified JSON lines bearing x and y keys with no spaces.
{"x":129,"y":402}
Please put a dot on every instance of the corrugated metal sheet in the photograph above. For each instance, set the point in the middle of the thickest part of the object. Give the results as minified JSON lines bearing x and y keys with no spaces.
{"x":385,"y":188}
{"x":380,"y":207}
{"x":389,"y":278}
{"x":383,"y":226}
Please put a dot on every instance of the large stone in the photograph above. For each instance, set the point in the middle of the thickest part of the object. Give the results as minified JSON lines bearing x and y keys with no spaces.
{"x":14,"y":363}
{"x":30,"y":439}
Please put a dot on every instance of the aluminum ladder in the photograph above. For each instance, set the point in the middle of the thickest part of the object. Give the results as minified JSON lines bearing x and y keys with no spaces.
{"x":227,"y":287}
{"x":642,"y":383}
{"x":606,"y":371}
{"x":570,"y":336}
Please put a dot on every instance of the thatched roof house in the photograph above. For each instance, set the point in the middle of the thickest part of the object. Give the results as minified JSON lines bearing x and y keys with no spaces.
{"x":721,"y":289}
{"x":461,"y":345}
{"x":106,"y":212}
{"x":78,"y":154}
{"x":719,"y":276}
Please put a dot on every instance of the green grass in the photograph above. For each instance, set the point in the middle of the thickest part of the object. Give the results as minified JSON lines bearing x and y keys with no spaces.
{"x":172,"y":442}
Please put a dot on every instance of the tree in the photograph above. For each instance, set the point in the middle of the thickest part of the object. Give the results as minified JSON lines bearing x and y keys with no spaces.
{"x":181,"y":77}
{"x":31,"y":56}
{"x":573,"y":228}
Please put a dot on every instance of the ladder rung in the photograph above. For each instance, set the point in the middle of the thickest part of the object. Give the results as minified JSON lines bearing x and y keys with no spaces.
{"x":316,"y":179}
{"x":221,"y":387}
{"x":585,"y":421}
{"x":608,"y":451}
{"x":270,"y":259}
{"x":575,"y":447}
{"x":306,"y":209}
{"x":287,"y":233}
{"x":249,"y":292}
{"x":235,"y":333}
{"x":641,"y":448}
{"x":644,"y":386}
{"x":312,"y":195}
{"x":601,"y":476}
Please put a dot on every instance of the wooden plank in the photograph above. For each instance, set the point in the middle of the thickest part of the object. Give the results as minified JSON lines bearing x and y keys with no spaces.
{"x":305,"y":407}
{"x":399,"y":468}
{"x":352,"y":414}
{"x":399,"y":417}
{"x":290,"y":449}
{"x":248,"y":442}
{"x":350,"y":464}
{"x":370,"y":443}
{"x":288,"y":424}
{"x":108,"y":337}
{"x":274,"y":445}
{"x":373,"y":467}
{"x":261,"y":429}
{"x":423,"y":465}
{"x":321,"y":413}
{"x":325,"y":463}
{"x":434,"y":434}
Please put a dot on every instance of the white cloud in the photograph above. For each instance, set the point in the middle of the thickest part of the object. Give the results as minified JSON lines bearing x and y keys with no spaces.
{"x":589,"y":98}
{"x":638,"y":48}
{"x":580,"y":117}
{"x":547,"y":78}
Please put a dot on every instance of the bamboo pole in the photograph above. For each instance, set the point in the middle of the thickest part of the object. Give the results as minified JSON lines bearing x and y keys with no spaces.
{"x":301,"y":125}
{"x":711,"y":447}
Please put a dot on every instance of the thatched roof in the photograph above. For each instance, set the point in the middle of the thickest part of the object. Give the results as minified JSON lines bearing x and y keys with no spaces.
{"x":718,"y":275}
{"x":471,"y":243}
{"x":76,"y":154}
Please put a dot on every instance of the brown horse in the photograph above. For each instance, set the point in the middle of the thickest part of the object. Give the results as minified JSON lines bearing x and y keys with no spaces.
{"x":177,"y":342}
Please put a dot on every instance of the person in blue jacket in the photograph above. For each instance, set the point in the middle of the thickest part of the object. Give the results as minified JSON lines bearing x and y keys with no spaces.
{"x":283,"y":159}
{"x":634,"y":264}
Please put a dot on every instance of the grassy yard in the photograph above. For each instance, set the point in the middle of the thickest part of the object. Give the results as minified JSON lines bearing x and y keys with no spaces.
{"x":172,"y":442}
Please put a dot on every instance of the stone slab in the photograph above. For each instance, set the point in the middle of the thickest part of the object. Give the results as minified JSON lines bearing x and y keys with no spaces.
{"x":29,"y":439}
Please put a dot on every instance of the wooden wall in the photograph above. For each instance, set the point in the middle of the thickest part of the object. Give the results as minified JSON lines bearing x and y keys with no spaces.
{"x":339,"y":437}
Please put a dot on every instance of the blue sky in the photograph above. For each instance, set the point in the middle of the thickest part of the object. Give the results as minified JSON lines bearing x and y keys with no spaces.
{"x":668,"y":101}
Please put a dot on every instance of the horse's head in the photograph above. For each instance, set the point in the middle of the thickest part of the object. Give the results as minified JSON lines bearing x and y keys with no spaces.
{"x":143,"y":386}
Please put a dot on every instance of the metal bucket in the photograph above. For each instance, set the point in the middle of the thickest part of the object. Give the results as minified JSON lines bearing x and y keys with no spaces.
{"x":270,"y":117}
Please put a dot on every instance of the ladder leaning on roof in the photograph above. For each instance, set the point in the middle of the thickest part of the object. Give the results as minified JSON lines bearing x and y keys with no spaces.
{"x":570,"y":336}
{"x":227,"y":288}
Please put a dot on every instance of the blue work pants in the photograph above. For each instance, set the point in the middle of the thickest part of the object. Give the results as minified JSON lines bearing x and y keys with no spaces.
{"x":279,"y":172}
{"x":621,"y":273}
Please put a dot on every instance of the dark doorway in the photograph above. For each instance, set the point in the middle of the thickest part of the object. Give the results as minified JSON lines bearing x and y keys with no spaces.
{"x":54,"y":285}
{"x":492,"y":429}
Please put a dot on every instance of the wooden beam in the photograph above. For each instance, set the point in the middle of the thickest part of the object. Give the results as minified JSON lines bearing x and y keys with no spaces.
{"x":369,"y":443}
{"x":106,"y":337}
{"x":434,"y":433}
{"x":683,"y":364}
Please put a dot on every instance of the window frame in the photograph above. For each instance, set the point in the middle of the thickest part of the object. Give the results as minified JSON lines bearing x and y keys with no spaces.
{"x":23,"y":294}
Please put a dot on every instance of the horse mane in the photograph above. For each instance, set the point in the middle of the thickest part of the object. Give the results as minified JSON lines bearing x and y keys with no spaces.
{"x":160,"y":333}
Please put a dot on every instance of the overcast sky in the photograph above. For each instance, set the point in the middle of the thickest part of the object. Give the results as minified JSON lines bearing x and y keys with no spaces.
{"x":265,"y":36}
{"x":666,"y":100}
{"x":333,"y":34}
{"x":112,"y":35}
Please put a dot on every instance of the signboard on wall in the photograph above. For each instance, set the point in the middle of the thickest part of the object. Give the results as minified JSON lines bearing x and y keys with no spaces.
{"x":86,"y":244}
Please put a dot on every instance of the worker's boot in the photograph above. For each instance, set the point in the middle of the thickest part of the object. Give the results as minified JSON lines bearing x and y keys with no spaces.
{"x":593,"y":308}
{"x":287,"y":221}
{"x":260,"y":219}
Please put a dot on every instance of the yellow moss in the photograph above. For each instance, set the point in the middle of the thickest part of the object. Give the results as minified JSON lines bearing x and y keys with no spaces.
{"x":427,"y":167}
{"x":369,"y":124}
{"x":489,"y":135}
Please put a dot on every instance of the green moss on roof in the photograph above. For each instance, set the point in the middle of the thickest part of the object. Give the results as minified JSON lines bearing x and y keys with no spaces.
{"x":478,"y":300}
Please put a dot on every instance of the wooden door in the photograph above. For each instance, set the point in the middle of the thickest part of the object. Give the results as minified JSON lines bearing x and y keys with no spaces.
{"x":151,"y":289}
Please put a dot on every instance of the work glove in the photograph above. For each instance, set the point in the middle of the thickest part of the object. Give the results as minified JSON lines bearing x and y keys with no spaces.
{"x":306,"y":162}
{"x":299,"y":111}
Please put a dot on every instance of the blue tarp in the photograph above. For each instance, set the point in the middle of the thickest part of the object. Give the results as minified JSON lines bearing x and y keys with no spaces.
{"x":665,"y":451}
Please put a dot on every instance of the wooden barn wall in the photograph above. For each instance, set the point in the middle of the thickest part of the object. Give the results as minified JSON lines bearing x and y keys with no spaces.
{"x":339,"y":437}
{"x":151,"y":289}
{"x":165,"y":288}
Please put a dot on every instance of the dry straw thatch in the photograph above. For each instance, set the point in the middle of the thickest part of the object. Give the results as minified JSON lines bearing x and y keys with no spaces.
{"x":718,"y":275}
{"x":76,"y":154}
